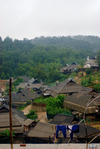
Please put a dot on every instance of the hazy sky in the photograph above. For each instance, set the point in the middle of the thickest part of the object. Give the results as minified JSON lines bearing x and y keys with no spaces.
{"x":32,"y":18}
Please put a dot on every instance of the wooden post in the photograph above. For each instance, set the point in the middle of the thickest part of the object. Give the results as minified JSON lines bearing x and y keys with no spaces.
{"x":10,"y":113}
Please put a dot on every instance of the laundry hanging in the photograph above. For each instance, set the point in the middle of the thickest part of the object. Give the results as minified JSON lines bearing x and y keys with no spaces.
{"x":74,"y":129}
{"x":61,"y":128}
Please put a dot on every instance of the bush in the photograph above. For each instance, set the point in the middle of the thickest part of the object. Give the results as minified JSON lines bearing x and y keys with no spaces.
{"x":6,"y":133}
{"x":97,"y":88}
{"x":32,"y":115}
{"x":53,"y":105}
{"x":87,"y":81}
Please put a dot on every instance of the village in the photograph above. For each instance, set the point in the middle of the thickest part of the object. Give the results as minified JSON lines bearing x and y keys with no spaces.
{"x":32,"y":120}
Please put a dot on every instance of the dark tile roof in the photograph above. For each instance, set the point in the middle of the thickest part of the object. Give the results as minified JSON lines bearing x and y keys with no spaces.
{"x":66,"y":87}
{"x":18,"y":119}
{"x":28,"y":122}
{"x":19,"y":114}
{"x":72,"y":87}
{"x":79,"y":102}
{"x":41,"y":130}
{"x":24,"y":95}
{"x":69,"y":68}
{"x":90,"y":131}
{"x":79,"y":98}
{"x":83,"y":99}
{"x":62,"y":119}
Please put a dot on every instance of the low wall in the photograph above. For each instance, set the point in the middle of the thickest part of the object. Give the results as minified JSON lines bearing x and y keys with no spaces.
{"x":38,"y":107}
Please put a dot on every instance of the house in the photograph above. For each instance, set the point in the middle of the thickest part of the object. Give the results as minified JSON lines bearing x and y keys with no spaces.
{"x":69,"y":68}
{"x":62,"y":119}
{"x":67,"y":87}
{"x":23,"y":96}
{"x":86,"y":133}
{"x":91,"y":63}
{"x":79,"y":101}
{"x":45,"y":133}
{"x":28,"y":123}
{"x":17,"y":119}
{"x":41,"y":133}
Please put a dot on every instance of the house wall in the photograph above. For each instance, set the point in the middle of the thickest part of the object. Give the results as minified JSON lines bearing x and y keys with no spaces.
{"x":39,"y":107}
{"x":79,"y":108}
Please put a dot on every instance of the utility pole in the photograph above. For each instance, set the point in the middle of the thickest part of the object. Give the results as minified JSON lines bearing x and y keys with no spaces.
{"x":10,"y":113}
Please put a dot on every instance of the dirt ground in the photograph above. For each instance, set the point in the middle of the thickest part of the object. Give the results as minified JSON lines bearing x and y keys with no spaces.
{"x":41,"y":115}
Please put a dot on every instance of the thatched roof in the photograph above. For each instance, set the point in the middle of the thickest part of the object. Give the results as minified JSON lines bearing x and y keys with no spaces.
{"x":62,"y":119}
{"x":67,"y":87}
{"x":24,"y":95}
{"x":72,"y":87}
{"x":44,"y":131}
{"x":17,"y":118}
{"x":79,"y":101}
{"x":4,"y":120}
{"x":41,"y":130}
{"x":90,"y":131}
{"x":35,"y":85}
{"x":69,"y":68}
{"x":28,"y":122}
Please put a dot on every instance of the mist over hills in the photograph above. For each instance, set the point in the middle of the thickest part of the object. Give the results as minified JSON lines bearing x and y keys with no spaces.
{"x":75,"y":42}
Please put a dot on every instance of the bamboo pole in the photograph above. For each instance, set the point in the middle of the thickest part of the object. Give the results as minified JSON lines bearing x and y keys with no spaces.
{"x":10,"y":113}
{"x":84,"y":117}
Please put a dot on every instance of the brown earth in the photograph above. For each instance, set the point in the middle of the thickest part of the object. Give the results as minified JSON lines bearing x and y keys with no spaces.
{"x":42,"y":116}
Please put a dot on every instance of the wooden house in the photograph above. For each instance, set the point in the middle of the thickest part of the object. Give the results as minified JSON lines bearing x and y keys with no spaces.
{"x":69,"y":68}
{"x":23,"y":96}
{"x":79,"y":101}
{"x":67,"y":87}
{"x":62,"y":119}
{"x":41,"y":133}
{"x":17,"y":119}
{"x":91,"y":63}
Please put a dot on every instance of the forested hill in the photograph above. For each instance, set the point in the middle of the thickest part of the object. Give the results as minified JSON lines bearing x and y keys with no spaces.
{"x":75,"y":42}
{"x":42,"y":57}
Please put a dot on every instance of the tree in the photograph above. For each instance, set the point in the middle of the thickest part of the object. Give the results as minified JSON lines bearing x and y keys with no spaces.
{"x":32,"y":115}
{"x":98,"y":58}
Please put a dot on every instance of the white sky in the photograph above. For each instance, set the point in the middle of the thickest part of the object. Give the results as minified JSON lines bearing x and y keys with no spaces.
{"x":32,"y":18}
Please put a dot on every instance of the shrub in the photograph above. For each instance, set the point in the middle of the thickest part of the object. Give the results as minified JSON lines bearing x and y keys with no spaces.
{"x":97,"y":88}
{"x":32,"y":115}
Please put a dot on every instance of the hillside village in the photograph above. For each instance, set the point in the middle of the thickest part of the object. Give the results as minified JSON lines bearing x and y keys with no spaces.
{"x":40,"y":110}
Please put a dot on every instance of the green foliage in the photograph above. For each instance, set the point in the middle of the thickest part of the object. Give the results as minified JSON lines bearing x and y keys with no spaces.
{"x":92,"y":79}
{"x":17,"y":81}
{"x":42,"y":60}
{"x":98,"y":58}
{"x":97,"y":88}
{"x":21,"y":107}
{"x":87,"y":81}
{"x":88,"y":71}
{"x":6,"y":133}
{"x":53,"y":105}
{"x":32,"y":115}
{"x":24,"y":105}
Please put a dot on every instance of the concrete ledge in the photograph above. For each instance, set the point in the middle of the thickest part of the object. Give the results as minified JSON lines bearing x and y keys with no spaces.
{"x":50,"y":146}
